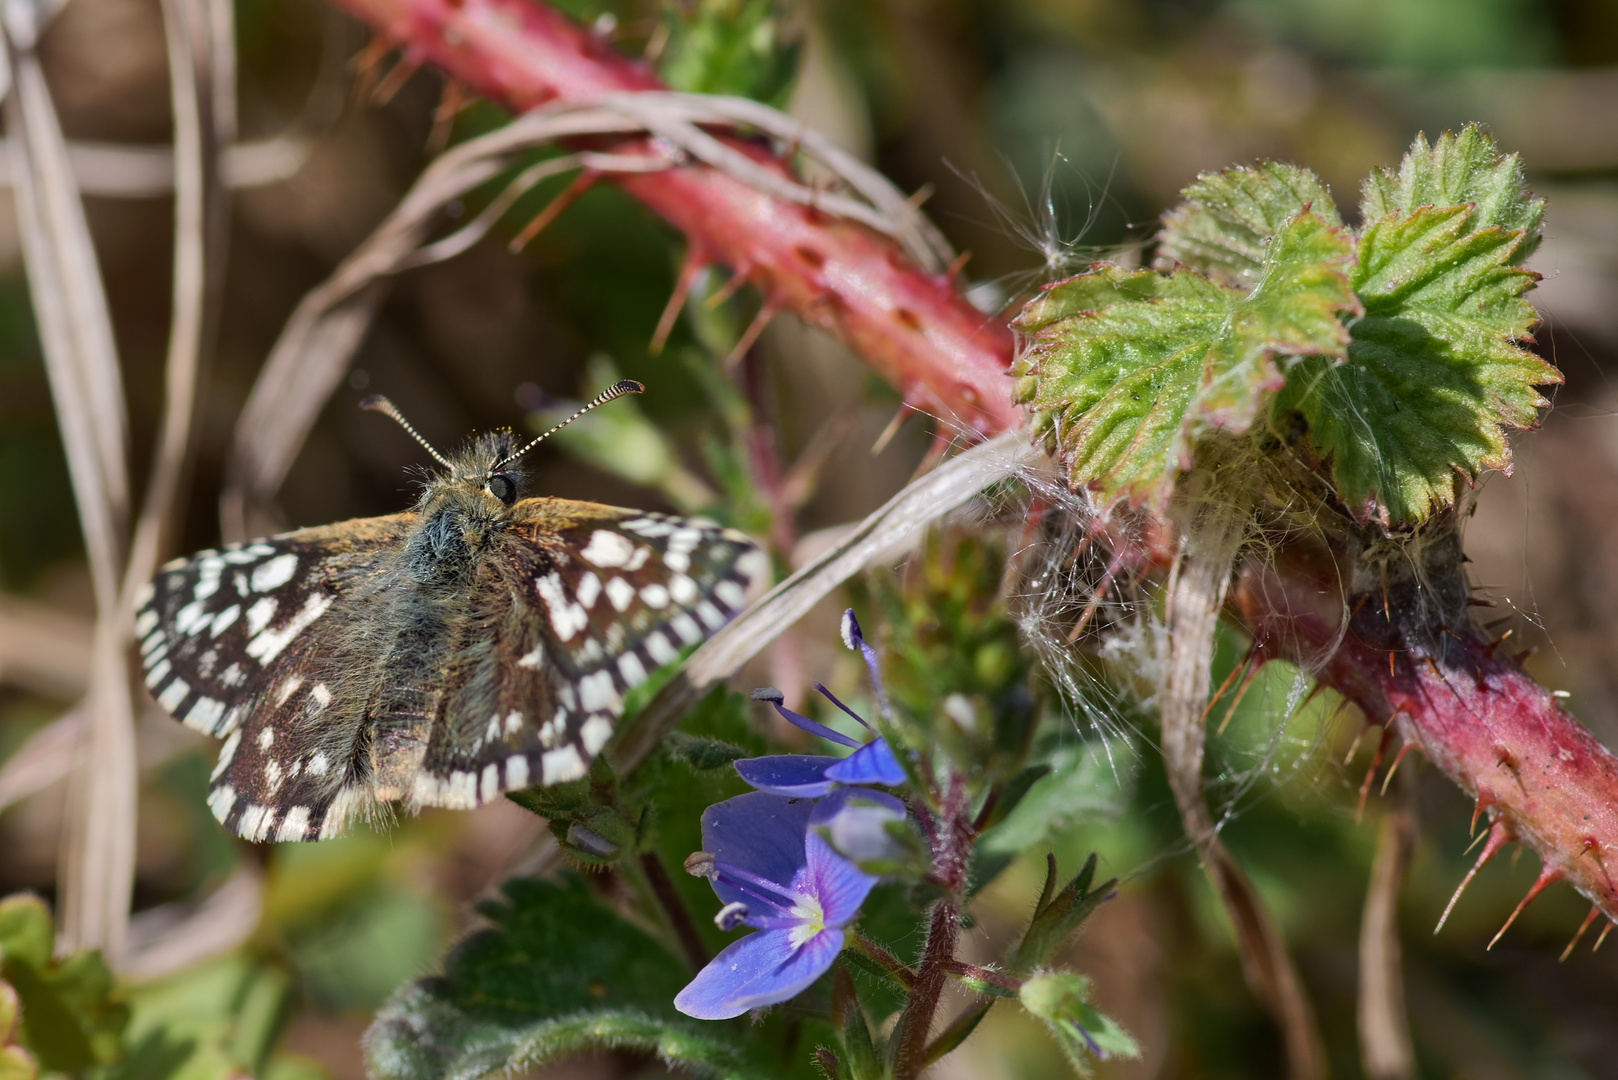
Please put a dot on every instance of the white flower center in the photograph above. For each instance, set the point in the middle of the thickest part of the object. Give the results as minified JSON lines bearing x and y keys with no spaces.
{"x":811,"y":920}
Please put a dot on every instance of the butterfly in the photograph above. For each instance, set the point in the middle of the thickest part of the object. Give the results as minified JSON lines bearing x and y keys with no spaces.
{"x":476,"y":644}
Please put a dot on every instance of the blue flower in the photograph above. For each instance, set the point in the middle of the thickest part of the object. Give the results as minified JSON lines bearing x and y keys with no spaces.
{"x":776,"y":874}
{"x":813,"y":775}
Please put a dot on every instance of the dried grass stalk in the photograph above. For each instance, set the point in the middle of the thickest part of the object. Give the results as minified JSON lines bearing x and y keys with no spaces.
{"x":82,"y":366}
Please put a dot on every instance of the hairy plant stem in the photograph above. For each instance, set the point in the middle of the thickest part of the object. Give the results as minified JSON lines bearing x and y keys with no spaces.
{"x":916,"y":331}
{"x":950,"y":832}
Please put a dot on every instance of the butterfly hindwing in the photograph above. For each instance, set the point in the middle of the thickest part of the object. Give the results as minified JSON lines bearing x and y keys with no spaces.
{"x":584,"y":604}
{"x":246,"y":644}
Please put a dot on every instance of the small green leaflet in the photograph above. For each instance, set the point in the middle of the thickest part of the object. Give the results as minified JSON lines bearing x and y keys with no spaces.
{"x":1127,"y":368}
{"x":1223,"y":228}
{"x":1435,"y":372}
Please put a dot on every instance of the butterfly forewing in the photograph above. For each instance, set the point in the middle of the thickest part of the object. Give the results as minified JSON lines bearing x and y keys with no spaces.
{"x":584,"y":604}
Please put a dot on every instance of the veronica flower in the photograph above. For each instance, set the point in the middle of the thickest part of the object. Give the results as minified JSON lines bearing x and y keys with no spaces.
{"x":813,"y":775}
{"x":767,"y":862}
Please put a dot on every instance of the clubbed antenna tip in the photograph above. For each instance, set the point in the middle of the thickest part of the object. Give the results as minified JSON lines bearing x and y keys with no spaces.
{"x":616,"y":390}
{"x":378,"y":403}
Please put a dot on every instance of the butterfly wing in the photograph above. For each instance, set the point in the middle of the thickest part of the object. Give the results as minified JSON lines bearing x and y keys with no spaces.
{"x":582,"y":604}
{"x":247,"y":644}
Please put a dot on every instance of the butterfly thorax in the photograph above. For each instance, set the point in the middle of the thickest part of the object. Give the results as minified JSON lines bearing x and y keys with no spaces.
{"x":463,"y":511}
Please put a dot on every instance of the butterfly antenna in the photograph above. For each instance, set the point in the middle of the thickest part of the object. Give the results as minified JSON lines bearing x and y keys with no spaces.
{"x":378,"y":403}
{"x":616,"y":390}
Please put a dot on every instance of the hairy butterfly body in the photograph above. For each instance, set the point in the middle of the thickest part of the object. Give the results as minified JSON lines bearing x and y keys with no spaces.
{"x":477,"y":644}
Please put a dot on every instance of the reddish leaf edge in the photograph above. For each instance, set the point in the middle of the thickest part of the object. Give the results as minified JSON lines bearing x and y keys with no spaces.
{"x":1451,"y":692}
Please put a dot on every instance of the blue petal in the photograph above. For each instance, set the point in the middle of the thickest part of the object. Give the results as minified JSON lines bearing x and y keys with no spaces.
{"x":872,"y":763}
{"x":763,"y":834}
{"x":760,"y":969}
{"x":796,"y":719}
{"x":839,"y":885}
{"x":856,"y":822}
{"x":793,"y":775}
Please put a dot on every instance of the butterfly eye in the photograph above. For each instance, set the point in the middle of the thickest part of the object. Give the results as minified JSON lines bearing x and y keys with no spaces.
{"x":503,"y":488}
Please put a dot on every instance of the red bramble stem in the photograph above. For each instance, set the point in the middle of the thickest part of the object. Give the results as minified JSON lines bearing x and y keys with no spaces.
{"x":944,"y":355}
{"x":1479,"y":717}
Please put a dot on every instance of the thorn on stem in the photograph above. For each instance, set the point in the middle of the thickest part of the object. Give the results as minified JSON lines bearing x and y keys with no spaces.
{"x":728,"y":289}
{"x":451,"y":101}
{"x":1370,"y":774}
{"x":1603,"y":937}
{"x":395,"y":79}
{"x":1485,"y":800}
{"x":750,"y":335}
{"x":1547,"y":874}
{"x":581,"y":183}
{"x":366,"y":65}
{"x":1404,"y":748}
{"x":690,"y":266}
{"x":1498,"y":836}
{"x":1241,"y":691}
{"x":1583,"y":926}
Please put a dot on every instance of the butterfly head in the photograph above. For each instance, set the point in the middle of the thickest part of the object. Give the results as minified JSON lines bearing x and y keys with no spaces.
{"x":487,"y":465}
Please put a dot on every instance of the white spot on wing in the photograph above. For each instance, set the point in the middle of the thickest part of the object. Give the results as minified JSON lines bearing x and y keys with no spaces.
{"x":730,"y":594}
{"x":660,"y":649}
{"x":594,"y":734}
{"x":265,"y":738}
{"x":294,"y":825}
{"x":534,"y":658}
{"x":145,"y":623}
{"x":516,"y":772}
{"x":226,"y":753}
{"x":687,"y":628}
{"x":173,"y":694}
{"x":289,"y":686}
{"x":597,"y":692}
{"x":683,"y":589}
{"x":260,"y":614}
{"x":560,"y":766}
{"x":608,"y":549}
{"x":589,"y":588}
{"x":621,"y":593}
{"x":205,"y":714}
{"x":319,"y":764}
{"x":654,"y":596}
{"x":222,"y":621}
{"x":630,"y":667}
{"x":275,"y":573}
{"x":159,"y":672}
{"x":268,"y":645}
{"x":489,"y":786}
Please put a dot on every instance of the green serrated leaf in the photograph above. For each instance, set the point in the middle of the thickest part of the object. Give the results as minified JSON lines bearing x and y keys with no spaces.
{"x":1129,"y":368}
{"x":1434,"y":372}
{"x":1458,"y":169}
{"x":1223,"y":228}
{"x":559,"y":971}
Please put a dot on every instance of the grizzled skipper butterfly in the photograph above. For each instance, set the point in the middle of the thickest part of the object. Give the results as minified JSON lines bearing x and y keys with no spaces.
{"x":477,"y":644}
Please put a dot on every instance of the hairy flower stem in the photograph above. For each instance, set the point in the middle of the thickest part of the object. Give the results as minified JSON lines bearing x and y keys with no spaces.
{"x":951,"y":834}
{"x":916,"y":331}
{"x":1215,"y":514}
{"x":674,"y":908}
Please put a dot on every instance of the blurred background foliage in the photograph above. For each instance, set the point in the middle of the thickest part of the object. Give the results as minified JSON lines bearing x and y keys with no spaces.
{"x":1047,"y":133}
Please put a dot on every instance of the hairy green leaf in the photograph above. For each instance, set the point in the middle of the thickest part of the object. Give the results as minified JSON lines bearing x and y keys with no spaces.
{"x":558,"y":972}
{"x":730,"y":47}
{"x":1223,"y":228}
{"x":1464,"y":168}
{"x":1434,"y":371}
{"x":1125,"y":370}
